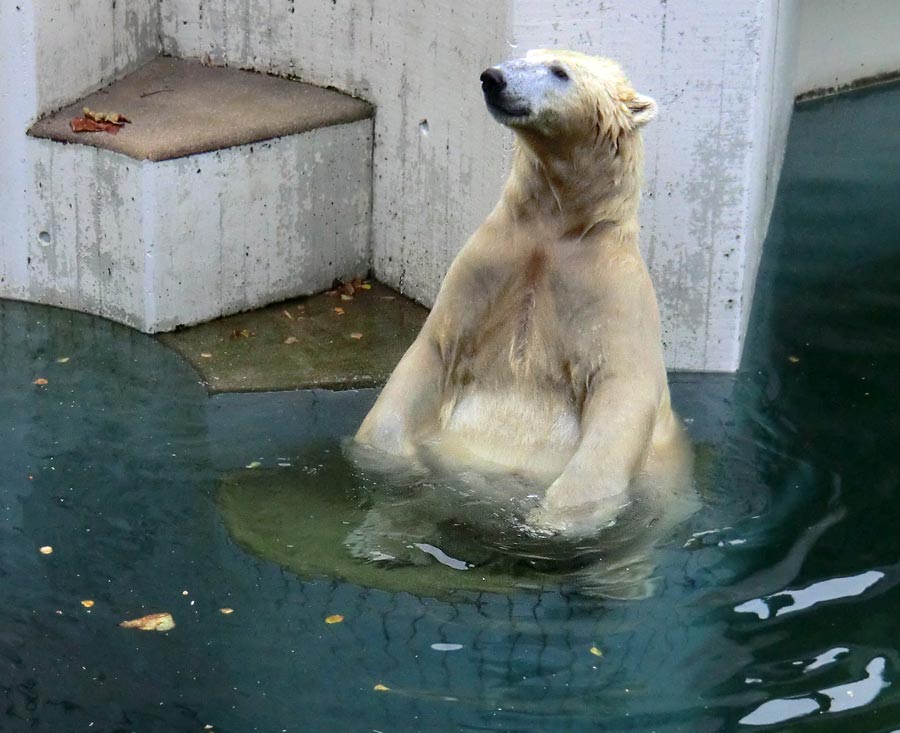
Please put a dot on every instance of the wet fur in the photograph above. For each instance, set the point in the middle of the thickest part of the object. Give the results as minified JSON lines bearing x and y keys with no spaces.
{"x":542,"y":355}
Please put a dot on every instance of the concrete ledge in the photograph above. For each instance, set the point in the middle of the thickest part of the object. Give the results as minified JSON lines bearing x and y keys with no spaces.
{"x":179,"y":108}
{"x":324,"y":342}
{"x":229,"y":190}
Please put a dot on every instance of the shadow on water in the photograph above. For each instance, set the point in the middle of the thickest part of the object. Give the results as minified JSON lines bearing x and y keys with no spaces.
{"x":774,"y":606}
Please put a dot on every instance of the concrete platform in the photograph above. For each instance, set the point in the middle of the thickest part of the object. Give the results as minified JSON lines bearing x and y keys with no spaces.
{"x":179,"y":108}
{"x":228,"y":191}
{"x":318,"y":342}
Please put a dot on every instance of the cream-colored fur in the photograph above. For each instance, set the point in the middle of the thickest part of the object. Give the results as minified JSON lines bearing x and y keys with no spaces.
{"x":542,"y":355}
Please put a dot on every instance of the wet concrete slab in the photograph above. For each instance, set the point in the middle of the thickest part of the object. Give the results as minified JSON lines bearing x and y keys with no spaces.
{"x":330,"y":341}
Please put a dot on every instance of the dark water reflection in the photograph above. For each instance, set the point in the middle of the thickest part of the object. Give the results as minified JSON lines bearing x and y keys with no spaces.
{"x":775,"y":606}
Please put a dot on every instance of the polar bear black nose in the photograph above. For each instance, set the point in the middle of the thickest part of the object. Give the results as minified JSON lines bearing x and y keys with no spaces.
{"x":492,"y":82}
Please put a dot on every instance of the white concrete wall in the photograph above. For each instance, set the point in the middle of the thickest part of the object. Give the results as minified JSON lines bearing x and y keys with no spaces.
{"x":439,"y":158}
{"x":841,"y":41}
{"x":720,"y":133}
{"x":52,"y":52}
{"x":712,"y":66}
{"x":83,"y":45}
{"x":723,"y":74}
{"x":18,"y":109}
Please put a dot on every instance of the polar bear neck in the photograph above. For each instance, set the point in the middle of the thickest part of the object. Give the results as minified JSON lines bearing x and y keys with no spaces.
{"x":577,"y":188}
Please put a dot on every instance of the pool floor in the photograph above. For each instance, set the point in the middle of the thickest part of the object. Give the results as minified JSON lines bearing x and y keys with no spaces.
{"x":775,"y":606}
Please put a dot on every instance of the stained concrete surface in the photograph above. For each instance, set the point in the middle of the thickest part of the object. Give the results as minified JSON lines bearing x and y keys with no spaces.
{"x":323,"y":341}
{"x":180,"y":108}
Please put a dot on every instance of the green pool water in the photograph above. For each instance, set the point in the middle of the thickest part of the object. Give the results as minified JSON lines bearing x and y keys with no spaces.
{"x":773,"y":607}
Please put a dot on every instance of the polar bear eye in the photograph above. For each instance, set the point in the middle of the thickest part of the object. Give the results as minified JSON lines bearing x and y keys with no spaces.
{"x":559,"y":72}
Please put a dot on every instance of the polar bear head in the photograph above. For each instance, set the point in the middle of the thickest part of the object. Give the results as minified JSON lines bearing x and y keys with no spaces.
{"x":564,"y":96}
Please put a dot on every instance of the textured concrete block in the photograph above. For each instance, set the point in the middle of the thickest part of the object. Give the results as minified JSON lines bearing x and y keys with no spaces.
{"x":159,"y":245}
{"x":173,"y":221}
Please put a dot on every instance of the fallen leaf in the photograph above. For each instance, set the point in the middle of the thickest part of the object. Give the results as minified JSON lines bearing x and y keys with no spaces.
{"x":62,"y":360}
{"x":339,"y":311}
{"x":356,"y":336}
{"x":253,"y":464}
{"x":87,"y":604}
{"x":206,"y":355}
{"x":112,"y":117}
{"x":287,"y":314}
{"x":40,"y":381}
{"x":226,"y":611}
{"x":335,"y":618}
{"x":152,"y":622}
{"x":243,"y":333}
{"x":291,"y":340}
{"x":46,"y":550}
{"x":344,"y":296}
{"x":366,"y":286}
{"x":381,"y":688}
{"x":83,"y":124}
{"x":206,"y":60}
{"x":596,"y":652}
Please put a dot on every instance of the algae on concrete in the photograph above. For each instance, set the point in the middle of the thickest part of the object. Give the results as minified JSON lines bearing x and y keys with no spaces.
{"x":323,"y":341}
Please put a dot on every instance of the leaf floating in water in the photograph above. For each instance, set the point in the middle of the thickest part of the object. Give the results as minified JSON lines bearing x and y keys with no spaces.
{"x":381,"y":688}
{"x":446,"y":647}
{"x":344,"y":296}
{"x":291,"y":340}
{"x":287,"y":314}
{"x":87,"y":604}
{"x":253,"y":464}
{"x":793,"y":359}
{"x":40,"y":382}
{"x":335,"y":618}
{"x":153,"y":622}
{"x":596,"y":652}
{"x":62,"y":360}
{"x":226,"y":611}
{"x":46,"y":550}
{"x":356,"y":336}
{"x":206,"y":355}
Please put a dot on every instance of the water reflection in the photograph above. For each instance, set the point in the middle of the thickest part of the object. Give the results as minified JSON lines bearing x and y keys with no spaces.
{"x":836,"y":699}
{"x":803,"y":598}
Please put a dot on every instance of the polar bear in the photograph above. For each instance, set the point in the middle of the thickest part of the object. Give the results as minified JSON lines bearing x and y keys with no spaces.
{"x":542,"y":355}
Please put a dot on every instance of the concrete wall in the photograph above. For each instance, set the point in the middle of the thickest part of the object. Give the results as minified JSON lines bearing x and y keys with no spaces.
{"x":83,"y":46}
{"x":439,"y":159}
{"x":718,"y":72}
{"x":51,"y":53}
{"x":841,"y":41}
{"x":723,"y":73}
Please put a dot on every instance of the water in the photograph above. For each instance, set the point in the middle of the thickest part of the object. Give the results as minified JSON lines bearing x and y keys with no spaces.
{"x":774,"y":607}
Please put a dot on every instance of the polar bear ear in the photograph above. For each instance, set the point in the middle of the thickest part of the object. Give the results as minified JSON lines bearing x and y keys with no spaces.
{"x":643,"y":109}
